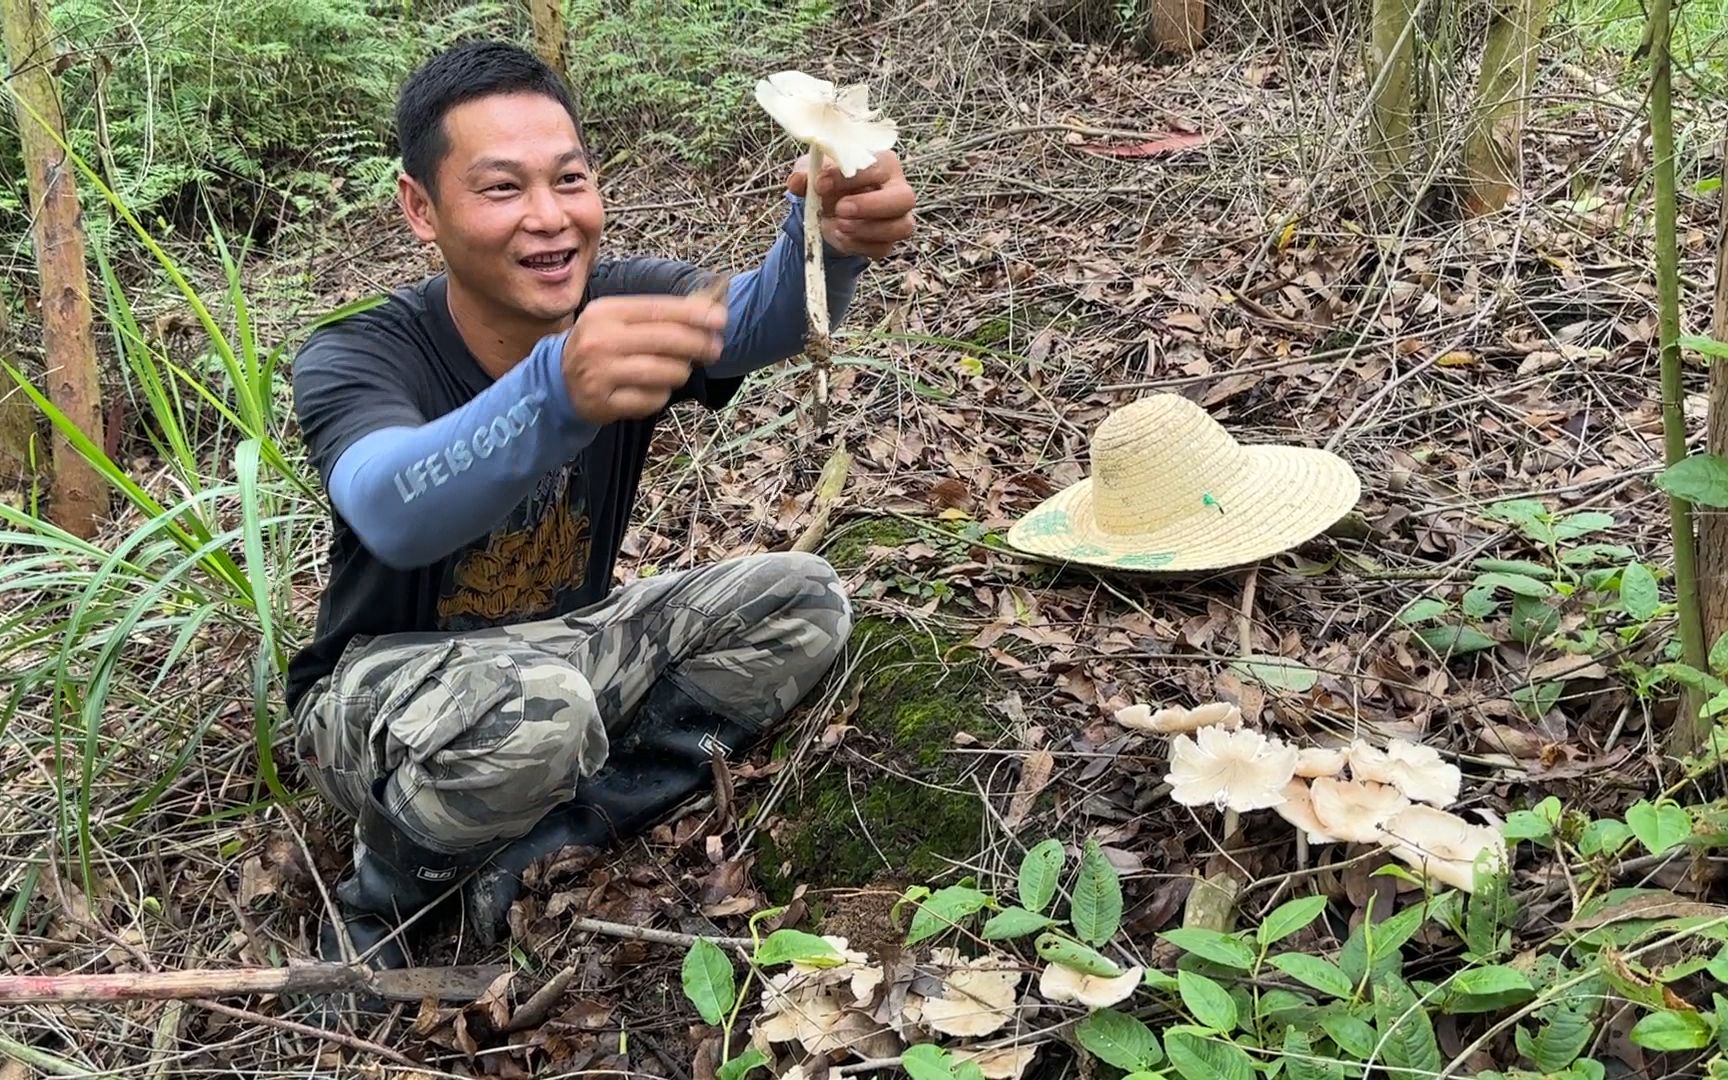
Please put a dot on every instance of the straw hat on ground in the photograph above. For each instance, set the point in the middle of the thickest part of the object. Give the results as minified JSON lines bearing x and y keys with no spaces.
{"x":1171,"y":490}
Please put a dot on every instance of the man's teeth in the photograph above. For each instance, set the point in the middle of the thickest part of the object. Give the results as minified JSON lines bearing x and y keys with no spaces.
{"x":550,"y":262}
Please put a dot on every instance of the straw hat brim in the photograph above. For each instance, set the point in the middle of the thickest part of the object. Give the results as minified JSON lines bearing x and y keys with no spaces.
{"x":1285,"y":496}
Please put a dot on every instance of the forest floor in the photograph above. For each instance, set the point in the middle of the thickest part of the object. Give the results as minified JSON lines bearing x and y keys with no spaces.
{"x":1094,"y":228}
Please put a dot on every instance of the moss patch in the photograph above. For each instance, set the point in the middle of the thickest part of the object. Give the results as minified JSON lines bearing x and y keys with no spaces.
{"x":851,"y":547}
{"x":906,"y":809}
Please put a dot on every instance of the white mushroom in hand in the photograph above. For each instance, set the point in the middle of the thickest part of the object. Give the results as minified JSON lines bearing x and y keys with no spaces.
{"x":1061,"y":984}
{"x":834,"y":124}
{"x":1442,"y":845}
{"x":1354,"y":810}
{"x":1237,"y":770}
{"x":1416,"y":770}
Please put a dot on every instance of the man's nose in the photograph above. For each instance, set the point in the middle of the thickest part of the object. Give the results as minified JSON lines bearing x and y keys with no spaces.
{"x":545,"y":212}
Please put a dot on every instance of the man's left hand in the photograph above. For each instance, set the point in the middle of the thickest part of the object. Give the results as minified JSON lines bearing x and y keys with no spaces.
{"x":869,"y":213}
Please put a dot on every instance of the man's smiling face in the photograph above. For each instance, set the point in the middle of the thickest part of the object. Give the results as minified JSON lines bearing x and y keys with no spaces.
{"x":514,"y":210}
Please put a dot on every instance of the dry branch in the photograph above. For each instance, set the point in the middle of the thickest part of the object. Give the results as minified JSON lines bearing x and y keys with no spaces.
{"x":405,"y":984}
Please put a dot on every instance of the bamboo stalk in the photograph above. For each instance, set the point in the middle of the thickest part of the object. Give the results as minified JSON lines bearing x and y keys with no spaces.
{"x":68,"y":342}
{"x":1713,"y":524}
{"x":818,"y":345}
{"x":1686,"y":733}
{"x":828,"y":488}
{"x":1493,"y":152}
{"x":207,"y":983}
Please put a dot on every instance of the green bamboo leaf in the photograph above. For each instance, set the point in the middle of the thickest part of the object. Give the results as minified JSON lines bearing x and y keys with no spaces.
{"x":1698,"y":343}
{"x":1097,"y":908}
{"x":1040,"y":872}
{"x":709,"y":981}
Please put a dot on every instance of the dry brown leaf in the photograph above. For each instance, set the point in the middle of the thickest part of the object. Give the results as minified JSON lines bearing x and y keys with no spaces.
{"x":1035,"y":769}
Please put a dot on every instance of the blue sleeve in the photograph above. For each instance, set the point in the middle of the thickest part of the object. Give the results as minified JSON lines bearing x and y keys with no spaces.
{"x":415,"y":494}
{"x":766,"y":304}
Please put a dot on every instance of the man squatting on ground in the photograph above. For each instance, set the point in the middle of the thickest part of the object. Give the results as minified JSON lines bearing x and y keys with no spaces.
{"x":474,"y":689}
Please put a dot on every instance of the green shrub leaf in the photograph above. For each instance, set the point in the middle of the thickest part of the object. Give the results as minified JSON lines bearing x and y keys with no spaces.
{"x":1559,"y":1042}
{"x":1119,"y":1039}
{"x":1353,"y":1036}
{"x":1659,"y":826}
{"x":1300,"y":1061}
{"x":944,"y":909}
{"x":709,"y":981}
{"x":1015,"y":922}
{"x":1097,"y":909}
{"x":740,"y":1066}
{"x":1072,"y":954}
{"x":1699,"y":478}
{"x":1670,"y":1029}
{"x":785,"y":945}
{"x":1197,"y":1057}
{"x":1289,"y":918}
{"x":1405,"y":1029}
{"x":1040,"y":872}
{"x":1278,"y":672}
{"x":1323,"y":975}
{"x":1209,"y":1003}
{"x":1639,"y":596}
{"x":1231,"y":952}
{"x":1451,"y":640}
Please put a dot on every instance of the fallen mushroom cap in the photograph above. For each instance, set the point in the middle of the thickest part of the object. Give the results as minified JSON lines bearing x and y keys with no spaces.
{"x":1175,"y":720}
{"x":1008,"y":1063}
{"x":840,"y":122}
{"x":1061,"y":984}
{"x":977,"y":998}
{"x":1312,"y":761}
{"x":1442,"y":845}
{"x":1353,"y":810}
{"x":1298,"y":809}
{"x":1418,"y":771}
{"x":1242,"y":770}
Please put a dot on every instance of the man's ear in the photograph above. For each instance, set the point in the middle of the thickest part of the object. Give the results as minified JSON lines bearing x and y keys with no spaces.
{"x":418,"y":208}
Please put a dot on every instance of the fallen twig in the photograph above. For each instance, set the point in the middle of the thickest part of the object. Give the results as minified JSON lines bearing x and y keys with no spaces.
{"x":408,"y":984}
{"x":352,"y":1042}
{"x":643,"y":933}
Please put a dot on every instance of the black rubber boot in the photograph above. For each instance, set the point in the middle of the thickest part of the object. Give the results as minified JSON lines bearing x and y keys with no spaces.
{"x":664,"y":759}
{"x":393,"y":878}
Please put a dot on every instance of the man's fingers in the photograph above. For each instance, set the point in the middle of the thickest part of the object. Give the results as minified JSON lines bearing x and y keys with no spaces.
{"x":893,"y":201}
{"x":696,"y":311}
{"x":877,"y":232}
{"x":884,"y":169}
{"x":649,"y":373}
{"x":678,"y":340}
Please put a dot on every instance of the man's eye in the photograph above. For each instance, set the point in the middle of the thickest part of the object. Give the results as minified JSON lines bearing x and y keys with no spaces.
{"x":572,"y":178}
{"x":502,"y":187}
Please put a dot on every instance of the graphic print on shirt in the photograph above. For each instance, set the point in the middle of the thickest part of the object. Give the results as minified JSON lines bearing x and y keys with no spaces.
{"x":527,"y":565}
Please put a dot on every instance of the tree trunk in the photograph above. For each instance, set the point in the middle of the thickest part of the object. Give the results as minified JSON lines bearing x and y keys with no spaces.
{"x":1176,"y":26}
{"x":80,"y":498}
{"x":1688,"y":729}
{"x":1493,"y":152}
{"x":548,"y":19}
{"x":1713,"y":524}
{"x":1393,"y":129}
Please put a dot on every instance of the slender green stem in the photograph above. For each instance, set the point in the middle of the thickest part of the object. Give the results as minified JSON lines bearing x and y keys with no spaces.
{"x":1686,"y":735}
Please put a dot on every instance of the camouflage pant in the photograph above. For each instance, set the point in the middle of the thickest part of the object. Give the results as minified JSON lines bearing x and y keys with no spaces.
{"x":477,"y":735}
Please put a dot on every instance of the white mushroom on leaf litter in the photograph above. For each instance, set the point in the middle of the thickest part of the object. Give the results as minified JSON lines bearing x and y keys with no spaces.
{"x":833,"y":123}
{"x":1416,"y":770}
{"x":1061,"y":984}
{"x":1298,"y":809}
{"x":977,"y":994}
{"x":1443,"y":846}
{"x":1236,"y":770}
{"x":1007,"y":1063}
{"x":1175,"y":720}
{"x":1354,"y":810}
{"x":1313,"y":761}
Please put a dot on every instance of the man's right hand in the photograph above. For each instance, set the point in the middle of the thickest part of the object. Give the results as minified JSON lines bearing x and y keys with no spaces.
{"x":627,"y":354}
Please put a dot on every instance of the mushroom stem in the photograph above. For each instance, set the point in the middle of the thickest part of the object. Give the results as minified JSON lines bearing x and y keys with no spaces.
{"x":817,"y":345}
{"x":1231,"y":820}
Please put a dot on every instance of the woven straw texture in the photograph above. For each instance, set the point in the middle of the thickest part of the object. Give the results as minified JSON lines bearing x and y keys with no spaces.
{"x":1171,"y":491}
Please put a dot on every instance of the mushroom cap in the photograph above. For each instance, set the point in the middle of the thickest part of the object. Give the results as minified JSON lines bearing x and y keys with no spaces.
{"x":1442,"y":845}
{"x":1298,"y":809}
{"x":1418,"y":771}
{"x":1353,"y":810}
{"x":1242,"y":770}
{"x":1175,"y":720}
{"x":1061,"y":984}
{"x":1312,"y":761}
{"x":1007,"y":1063}
{"x":839,"y":121}
{"x":977,"y":998}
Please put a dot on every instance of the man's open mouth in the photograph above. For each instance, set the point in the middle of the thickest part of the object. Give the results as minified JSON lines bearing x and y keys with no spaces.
{"x":549,"y":261}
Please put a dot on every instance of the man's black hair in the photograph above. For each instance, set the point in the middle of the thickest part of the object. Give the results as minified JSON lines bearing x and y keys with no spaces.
{"x":461,"y":73}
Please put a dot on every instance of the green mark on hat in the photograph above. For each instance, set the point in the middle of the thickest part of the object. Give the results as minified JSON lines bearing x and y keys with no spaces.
{"x":1144,"y":560}
{"x":1047,"y":523}
{"x":1085,"y":551}
{"x":1206,"y":499}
